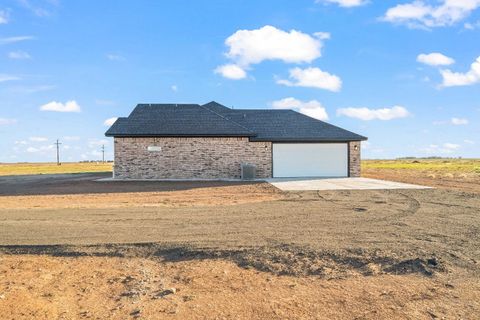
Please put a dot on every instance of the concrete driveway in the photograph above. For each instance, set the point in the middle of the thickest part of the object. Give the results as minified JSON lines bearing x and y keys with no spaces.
{"x":297,"y":184}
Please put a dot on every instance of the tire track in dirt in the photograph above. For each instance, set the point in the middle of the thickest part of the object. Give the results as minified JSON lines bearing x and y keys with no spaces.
{"x":412,"y":208}
{"x":413,"y":204}
{"x":450,"y":205}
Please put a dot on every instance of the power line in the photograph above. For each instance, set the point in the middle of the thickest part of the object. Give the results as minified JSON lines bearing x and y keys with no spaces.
{"x":58,"y":151}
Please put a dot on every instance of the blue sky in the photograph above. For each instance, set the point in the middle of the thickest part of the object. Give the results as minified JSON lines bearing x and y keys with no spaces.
{"x":403,"y":73}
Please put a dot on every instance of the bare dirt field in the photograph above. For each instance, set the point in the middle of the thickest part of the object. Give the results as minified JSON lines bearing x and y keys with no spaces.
{"x":72,"y":248}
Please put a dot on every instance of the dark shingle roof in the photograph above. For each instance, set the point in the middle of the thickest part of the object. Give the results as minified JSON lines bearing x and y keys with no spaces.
{"x":214,"y":119}
{"x":176,"y":120}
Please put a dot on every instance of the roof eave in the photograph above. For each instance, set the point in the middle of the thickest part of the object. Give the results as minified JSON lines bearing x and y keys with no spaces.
{"x":146,"y":135}
{"x":299,"y":140}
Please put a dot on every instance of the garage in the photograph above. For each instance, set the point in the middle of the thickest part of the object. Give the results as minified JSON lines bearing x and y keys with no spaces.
{"x":310,"y":160}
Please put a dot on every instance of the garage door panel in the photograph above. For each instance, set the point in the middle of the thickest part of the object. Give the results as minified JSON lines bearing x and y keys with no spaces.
{"x":310,"y":160}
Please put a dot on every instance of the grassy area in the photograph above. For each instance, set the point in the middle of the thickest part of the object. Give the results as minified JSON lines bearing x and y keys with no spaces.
{"x":49,"y":168}
{"x":435,"y":165}
{"x":431,"y":165}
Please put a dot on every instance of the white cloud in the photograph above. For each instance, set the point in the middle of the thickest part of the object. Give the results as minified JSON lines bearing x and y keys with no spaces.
{"x":445,"y":148}
{"x":115,"y":57}
{"x":38,"y":139}
{"x":110,"y":121}
{"x":323,"y":35}
{"x":35,"y":9}
{"x":452,"y":79}
{"x":9,"y":40}
{"x":312,"y":108}
{"x":315,"y":112}
{"x":40,"y":149}
{"x":94,"y":143}
{"x":231,"y":71}
{"x":71,"y":138}
{"x":19,"y":55}
{"x":408,"y":12}
{"x":472,"y":25}
{"x":344,"y":3}
{"x":21,"y":142}
{"x":8,"y":77}
{"x":248,"y":47}
{"x":69,"y":106}
{"x":313,"y":78}
{"x":467,"y":141}
{"x":4,"y":17}
{"x":287,"y":103}
{"x":429,"y":14}
{"x":451,"y":146}
{"x":269,"y":43}
{"x":95,"y":153}
{"x":49,"y":147}
{"x":435,"y":59}
{"x":459,"y":121}
{"x":5,"y":121}
{"x":453,"y":121}
{"x":174,"y":88}
{"x":367,"y":114}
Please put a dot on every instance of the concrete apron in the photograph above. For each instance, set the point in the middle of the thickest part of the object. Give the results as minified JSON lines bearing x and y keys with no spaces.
{"x":303,"y":184}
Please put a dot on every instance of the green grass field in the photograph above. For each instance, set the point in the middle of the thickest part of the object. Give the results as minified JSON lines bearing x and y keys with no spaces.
{"x":7,"y":169}
{"x":435,"y":165}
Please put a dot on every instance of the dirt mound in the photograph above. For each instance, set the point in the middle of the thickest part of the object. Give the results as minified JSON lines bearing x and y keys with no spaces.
{"x":297,"y":261}
{"x":279,"y":260}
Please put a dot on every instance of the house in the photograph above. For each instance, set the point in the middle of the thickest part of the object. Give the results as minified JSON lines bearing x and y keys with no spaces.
{"x":211,"y":141}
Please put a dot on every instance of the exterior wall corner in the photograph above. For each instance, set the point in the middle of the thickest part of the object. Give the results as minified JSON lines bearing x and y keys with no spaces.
{"x":354,"y":159}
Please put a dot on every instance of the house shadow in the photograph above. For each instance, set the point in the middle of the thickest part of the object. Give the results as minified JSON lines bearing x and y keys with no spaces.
{"x":87,"y":183}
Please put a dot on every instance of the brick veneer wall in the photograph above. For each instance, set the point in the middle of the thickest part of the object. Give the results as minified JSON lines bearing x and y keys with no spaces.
{"x":354,"y":161}
{"x":190,"y":158}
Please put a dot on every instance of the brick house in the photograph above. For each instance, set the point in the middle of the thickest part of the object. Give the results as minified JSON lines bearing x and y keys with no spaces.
{"x":211,"y":141}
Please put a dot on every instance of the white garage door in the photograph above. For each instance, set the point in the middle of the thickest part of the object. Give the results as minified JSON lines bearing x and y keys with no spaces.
{"x":310,"y":160}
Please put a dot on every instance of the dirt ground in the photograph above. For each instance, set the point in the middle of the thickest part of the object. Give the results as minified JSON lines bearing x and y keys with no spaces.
{"x":44,"y":287}
{"x":71,"y":248}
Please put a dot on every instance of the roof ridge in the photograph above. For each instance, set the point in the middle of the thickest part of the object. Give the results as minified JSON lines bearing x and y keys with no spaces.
{"x":224,"y":117}
{"x":262,"y":110}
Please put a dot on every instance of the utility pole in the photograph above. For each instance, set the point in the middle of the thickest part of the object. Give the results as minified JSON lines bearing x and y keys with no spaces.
{"x":103,"y":153}
{"x":58,"y":151}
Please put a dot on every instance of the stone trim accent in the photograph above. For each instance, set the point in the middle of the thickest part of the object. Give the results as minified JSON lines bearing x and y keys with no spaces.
{"x":354,"y":159}
{"x":190,"y":158}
